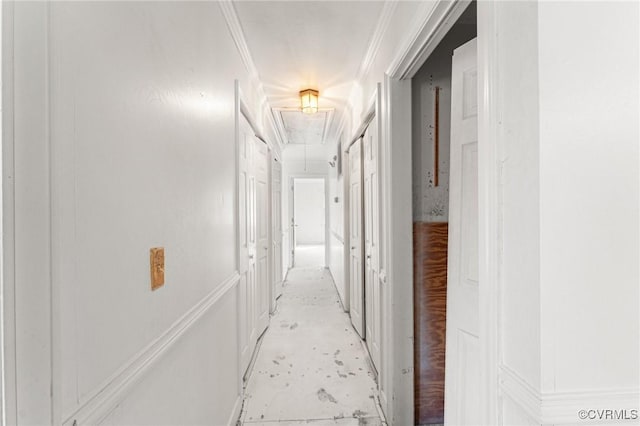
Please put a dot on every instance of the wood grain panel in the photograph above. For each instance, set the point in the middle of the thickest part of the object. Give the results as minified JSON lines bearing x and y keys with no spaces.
{"x":430,"y":310}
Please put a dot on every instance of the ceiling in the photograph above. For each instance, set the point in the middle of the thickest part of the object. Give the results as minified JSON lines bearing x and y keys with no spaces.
{"x":304,"y":128}
{"x":297,"y":45}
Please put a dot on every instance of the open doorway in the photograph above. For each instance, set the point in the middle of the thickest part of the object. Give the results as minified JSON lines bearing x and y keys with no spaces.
{"x":436,"y":182}
{"x":309,"y":225}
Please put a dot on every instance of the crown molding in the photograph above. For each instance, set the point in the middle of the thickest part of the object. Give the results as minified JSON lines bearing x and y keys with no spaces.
{"x":376,"y":39}
{"x":235,"y":28}
{"x":379,"y":31}
{"x":431,"y":24}
{"x":277,"y":117}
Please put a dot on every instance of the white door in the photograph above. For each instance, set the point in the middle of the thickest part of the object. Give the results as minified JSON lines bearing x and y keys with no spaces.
{"x":247,"y":236}
{"x":263,"y":225}
{"x":371,"y":243}
{"x":277,"y":230}
{"x":292,"y":224}
{"x":356,"y":284}
{"x":462,"y":371}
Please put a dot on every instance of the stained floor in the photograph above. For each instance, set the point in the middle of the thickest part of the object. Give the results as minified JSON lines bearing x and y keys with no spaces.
{"x":311,"y":367}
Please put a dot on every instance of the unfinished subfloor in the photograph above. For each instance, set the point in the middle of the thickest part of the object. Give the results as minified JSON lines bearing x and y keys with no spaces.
{"x":311,"y":367}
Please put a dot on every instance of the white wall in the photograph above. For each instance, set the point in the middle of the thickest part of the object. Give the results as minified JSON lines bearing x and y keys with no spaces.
{"x":134,"y":104}
{"x":309,"y":211}
{"x":431,"y":202}
{"x":568,"y":135}
{"x":589,"y":194}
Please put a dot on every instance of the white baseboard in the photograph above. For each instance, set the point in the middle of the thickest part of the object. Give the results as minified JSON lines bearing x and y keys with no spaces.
{"x":557,"y":408}
{"x":105,"y":399}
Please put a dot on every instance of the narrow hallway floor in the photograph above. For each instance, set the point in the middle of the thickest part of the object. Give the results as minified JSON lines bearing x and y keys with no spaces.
{"x":309,"y":255}
{"x":311,"y":367}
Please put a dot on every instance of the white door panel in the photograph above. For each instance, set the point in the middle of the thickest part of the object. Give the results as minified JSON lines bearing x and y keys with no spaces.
{"x":371,"y":243}
{"x":356,"y":284}
{"x":277,"y":231}
{"x":247,"y":233}
{"x":263,"y":221}
{"x":462,"y":374}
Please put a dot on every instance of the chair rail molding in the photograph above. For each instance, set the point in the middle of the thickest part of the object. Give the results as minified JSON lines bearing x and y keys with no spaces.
{"x":120,"y":384}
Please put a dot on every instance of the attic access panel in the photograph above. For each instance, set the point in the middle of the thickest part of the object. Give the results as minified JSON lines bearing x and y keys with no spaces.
{"x":302,"y":128}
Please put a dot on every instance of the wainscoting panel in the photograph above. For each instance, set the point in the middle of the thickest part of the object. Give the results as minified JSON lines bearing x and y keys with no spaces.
{"x":430,"y":305}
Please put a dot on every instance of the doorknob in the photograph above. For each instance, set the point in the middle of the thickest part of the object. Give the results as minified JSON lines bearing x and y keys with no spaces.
{"x":368,"y":256}
{"x":250,"y":256}
{"x":353,"y":247}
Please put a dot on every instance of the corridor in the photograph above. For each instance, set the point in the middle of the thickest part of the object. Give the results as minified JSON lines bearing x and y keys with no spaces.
{"x":206,"y":205}
{"x":311,"y":367}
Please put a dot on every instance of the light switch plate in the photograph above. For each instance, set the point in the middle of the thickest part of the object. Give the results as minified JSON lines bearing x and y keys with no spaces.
{"x":156,"y":256}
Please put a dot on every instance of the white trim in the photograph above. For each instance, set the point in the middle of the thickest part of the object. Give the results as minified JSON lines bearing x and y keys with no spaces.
{"x":489,"y":222}
{"x":122,"y":382}
{"x":236,"y":219}
{"x":521,"y":392}
{"x":399,"y":250}
{"x":244,"y":109}
{"x":279,"y":125}
{"x":430,"y":26}
{"x":553,"y":408}
{"x":380,"y":29}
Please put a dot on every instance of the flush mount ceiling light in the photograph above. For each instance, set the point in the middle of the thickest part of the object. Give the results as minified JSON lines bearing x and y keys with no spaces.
{"x":309,"y":101}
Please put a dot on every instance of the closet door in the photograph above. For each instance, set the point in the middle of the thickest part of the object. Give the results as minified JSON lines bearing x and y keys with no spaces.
{"x":276,"y":210}
{"x":462,"y":366}
{"x":247,"y":236}
{"x":356,"y":282}
{"x":371,"y":243}
{"x":263,"y":224}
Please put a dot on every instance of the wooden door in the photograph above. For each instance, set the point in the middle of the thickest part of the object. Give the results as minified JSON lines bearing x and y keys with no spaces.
{"x":356,"y":282}
{"x":371,"y":243}
{"x":276,"y":209}
{"x":462,"y":367}
{"x":247,"y":236}
{"x":263,"y":224}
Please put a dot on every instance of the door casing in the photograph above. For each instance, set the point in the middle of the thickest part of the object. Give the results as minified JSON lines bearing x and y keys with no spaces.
{"x":291,"y":218}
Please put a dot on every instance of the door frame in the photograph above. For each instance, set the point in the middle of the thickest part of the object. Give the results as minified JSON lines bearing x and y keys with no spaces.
{"x":273,"y":296}
{"x":397,"y":183}
{"x":291,"y":211}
